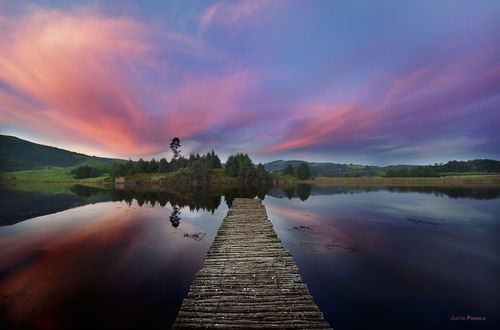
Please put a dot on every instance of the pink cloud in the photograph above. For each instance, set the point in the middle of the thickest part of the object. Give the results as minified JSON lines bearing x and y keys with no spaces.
{"x":209,"y":15}
{"x":86,"y":78}
{"x":222,"y":92}
{"x":321,"y":124}
{"x":402,"y":84}
{"x":421,"y":82}
{"x":417,"y":106}
{"x":73,"y":65}
{"x":232,"y":12}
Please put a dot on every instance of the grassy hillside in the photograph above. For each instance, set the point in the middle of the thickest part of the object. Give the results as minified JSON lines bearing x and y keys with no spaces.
{"x":18,"y":155}
{"x":49,"y":174}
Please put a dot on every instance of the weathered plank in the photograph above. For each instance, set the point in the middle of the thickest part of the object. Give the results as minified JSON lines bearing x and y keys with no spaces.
{"x":248,"y":279}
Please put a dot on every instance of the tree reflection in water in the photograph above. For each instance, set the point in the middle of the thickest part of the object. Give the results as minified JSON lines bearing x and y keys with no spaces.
{"x":175,"y":219}
{"x":21,"y":204}
{"x":196,"y":198}
{"x":303,"y":191}
{"x":289,"y":191}
{"x":193,"y":199}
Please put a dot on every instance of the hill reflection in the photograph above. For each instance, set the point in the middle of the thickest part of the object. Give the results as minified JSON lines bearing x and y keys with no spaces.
{"x":23,"y":202}
{"x":304,"y":191}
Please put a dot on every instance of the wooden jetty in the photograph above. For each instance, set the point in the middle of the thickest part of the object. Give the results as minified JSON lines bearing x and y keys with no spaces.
{"x":248,"y":279}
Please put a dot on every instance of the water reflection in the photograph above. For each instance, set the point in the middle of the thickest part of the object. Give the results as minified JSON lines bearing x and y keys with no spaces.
{"x":303,"y":191}
{"x":288,"y":191}
{"x":174,"y":217}
{"x":244,"y":192}
{"x":106,"y":265}
{"x":195,"y":199}
{"x":452,"y":192}
{"x":371,"y":256}
{"x":89,"y":191}
{"x":18,"y":205}
{"x":377,"y":257}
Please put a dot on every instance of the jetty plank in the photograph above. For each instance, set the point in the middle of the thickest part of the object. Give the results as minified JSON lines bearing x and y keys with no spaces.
{"x":248,"y":279}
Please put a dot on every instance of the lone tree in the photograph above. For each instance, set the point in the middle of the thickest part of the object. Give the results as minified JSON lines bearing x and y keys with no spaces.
{"x":175,"y":145}
{"x":303,"y":172}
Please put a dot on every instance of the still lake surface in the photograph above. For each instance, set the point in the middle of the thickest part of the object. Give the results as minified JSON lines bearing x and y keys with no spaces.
{"x":394,"y":258}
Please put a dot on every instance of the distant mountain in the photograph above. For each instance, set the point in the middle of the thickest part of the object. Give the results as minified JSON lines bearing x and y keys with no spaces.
{"x":334,"y":169}
{"x":17,"y":155}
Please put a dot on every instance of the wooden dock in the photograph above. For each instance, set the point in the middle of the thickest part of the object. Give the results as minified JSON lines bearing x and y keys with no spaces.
{"x":248,"y":279}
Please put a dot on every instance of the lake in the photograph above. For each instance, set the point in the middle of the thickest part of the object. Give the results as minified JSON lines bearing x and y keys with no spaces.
{"x":373,"y":257}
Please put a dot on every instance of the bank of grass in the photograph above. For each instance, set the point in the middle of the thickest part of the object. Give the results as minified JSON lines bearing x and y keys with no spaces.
{"x":51,"y":188}
{"x":283,"y":177}
{"x":218,"y":177}
{"x":217,"y":173}
{"x":479,"y":180}
{"x":62,"y":175}
{"x":473,"y":173}
{"x":147,"y":177}
{"x":156,"y":178}
{"x":50,"y":175}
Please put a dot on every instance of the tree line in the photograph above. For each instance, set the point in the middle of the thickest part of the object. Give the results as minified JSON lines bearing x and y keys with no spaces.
{"x":476,"y":165}
{"x":301,"y":172}
{"x":85,"y":171}
{"x":200,"y":165}
{"x":241,"y":166}
{"x":421,"y":171}
{"x":196,"y":165}
{"x":453,"y":166}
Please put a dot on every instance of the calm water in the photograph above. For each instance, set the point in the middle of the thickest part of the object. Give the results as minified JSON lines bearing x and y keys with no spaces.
{"x":399,"y":258}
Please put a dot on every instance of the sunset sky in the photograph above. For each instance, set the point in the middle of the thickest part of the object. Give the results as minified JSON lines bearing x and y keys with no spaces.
{"x":370,"y":82}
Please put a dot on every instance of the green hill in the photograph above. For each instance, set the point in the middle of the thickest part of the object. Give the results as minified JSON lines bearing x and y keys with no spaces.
{"x":453,"y":167}
{"x":334,"y":169}
{"x":18,"y":155}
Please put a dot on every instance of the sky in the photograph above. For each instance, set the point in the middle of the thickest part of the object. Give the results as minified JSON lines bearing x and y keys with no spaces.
{"x":367,"y":82}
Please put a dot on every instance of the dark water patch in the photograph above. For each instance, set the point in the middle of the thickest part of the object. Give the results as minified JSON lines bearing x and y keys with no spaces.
{"x":368,"y":266}
{"x":405,"y":258}
{"x":304,"y":228}
{"x":420,"y":221}
{"x":105,"y":265}
{"x":16,"y":205}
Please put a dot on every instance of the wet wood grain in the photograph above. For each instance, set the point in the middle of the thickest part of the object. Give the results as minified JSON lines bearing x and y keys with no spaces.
{"x":248,"y":279}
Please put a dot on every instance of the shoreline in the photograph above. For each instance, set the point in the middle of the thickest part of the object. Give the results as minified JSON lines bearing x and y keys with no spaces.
{"x":458,"y":181}
{"x":481,"y":181}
